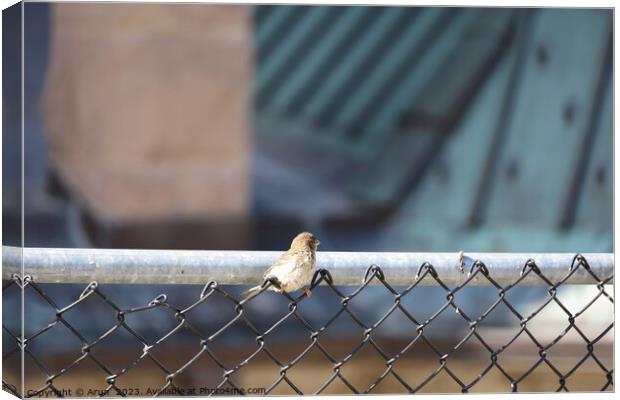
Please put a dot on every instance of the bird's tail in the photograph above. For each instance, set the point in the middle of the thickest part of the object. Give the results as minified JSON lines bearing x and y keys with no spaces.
{"x":251,"y":291}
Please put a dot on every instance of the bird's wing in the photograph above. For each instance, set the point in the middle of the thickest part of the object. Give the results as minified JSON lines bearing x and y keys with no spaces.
{"x":283,"y":261}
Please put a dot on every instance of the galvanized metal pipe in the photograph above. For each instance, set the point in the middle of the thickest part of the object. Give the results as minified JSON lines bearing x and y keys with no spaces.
{"x":53,"y":265}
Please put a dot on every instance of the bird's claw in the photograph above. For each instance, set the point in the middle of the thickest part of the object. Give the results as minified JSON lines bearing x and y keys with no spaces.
{"x":308,"y":292}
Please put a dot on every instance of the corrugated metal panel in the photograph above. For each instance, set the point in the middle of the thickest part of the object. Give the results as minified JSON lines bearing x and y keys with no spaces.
{"x":439,"y":91}
{"x":552,"y":143}
{"x":340,"y":71}
{"x":489,"y":114}
{"x":550,"y":117}
{"x":595,"y":202}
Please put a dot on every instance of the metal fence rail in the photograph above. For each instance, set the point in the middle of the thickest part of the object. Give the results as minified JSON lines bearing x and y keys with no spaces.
{"x":49,"y":265}
{"x":398,"y":274}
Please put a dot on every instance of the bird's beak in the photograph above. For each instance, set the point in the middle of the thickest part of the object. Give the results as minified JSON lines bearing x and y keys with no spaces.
{"x":318,"y":242}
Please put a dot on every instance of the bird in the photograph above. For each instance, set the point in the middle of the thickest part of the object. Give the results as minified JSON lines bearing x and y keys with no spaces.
{"x":294,"y":268}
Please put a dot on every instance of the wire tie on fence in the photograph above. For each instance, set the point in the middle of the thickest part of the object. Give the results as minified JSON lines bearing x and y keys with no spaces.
{"x":22,"y":283}
{"x":170,"y":377}
{"x":324,"y":275}
{"x":327,"y":276}
{"x":460,"y":260}
{"x":120,"y":315}
{"x":17,"y":279}
{"x":210,"y":285}
{"x":471,"y":269}
{"x":260,"y":339}
{"x":179,"y":316}
{"x":542,"y":353}
{"x":85,"y":349}
{"x":315,"y":279}
{"x":375,"y":270}
{"x":590,"y":348}
{"x":579,"y":260}
{"x":89,"y":289}
{"x":111,"y":380}
{"x":531,"y":265}
{"x":479,"y":265}
{"x":427,"y":267}
{"x":417,"y":274}
{"x":368,"y":271}
{"x":162,"y":298}
{"x":380,"y":273}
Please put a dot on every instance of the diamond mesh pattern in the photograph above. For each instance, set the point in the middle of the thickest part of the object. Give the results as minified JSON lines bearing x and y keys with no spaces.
{"x":228,"y":373}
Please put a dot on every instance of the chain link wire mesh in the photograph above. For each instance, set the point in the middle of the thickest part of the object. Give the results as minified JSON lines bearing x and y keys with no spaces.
{"x":227,"y":373}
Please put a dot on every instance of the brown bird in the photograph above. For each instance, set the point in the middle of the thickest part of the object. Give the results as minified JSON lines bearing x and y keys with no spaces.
{"x":294,"y":268}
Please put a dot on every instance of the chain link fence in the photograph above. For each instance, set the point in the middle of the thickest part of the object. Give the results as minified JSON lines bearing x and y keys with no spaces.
{"x":216,"y":372}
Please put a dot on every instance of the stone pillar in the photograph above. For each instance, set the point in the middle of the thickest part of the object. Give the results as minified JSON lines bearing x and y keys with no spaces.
{"x":147,"y":109}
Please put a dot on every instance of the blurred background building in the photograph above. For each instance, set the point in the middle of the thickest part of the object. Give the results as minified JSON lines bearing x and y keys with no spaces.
{"x":381,"y":128}
{"x":378,"y":128}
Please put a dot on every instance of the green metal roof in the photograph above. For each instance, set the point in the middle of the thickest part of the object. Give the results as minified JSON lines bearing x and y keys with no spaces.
{"x":353,"y":76}
{"x":452,"y":118}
